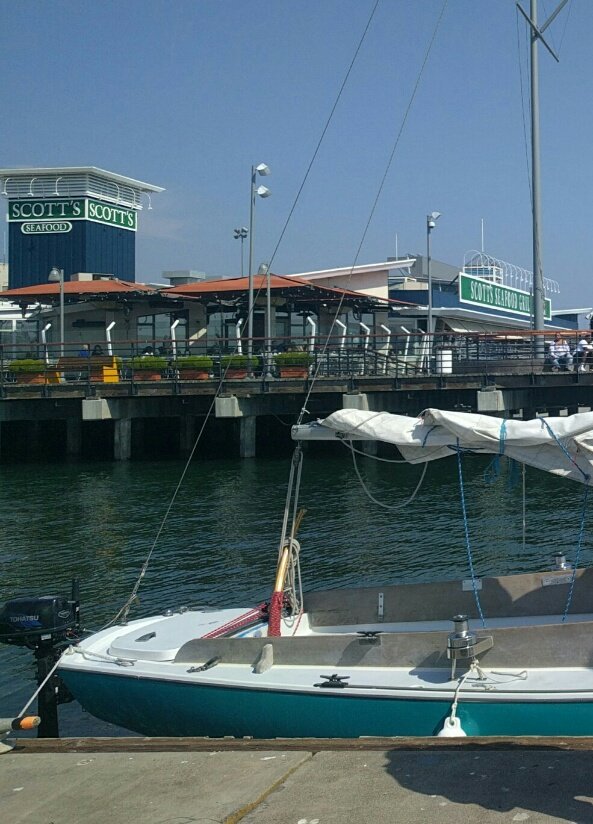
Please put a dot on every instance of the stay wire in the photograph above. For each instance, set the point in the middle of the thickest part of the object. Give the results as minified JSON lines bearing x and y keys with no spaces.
{"x":467,"y":539}
{"x":303,"y":411}
{"x":260,"y":288}
{"x":125,"y":609}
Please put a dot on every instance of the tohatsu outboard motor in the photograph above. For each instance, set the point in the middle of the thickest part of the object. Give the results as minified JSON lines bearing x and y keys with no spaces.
{"x":45,"y":624}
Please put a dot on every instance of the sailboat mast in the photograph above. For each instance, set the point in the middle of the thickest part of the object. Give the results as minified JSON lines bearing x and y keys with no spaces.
{"x":538,"y":277}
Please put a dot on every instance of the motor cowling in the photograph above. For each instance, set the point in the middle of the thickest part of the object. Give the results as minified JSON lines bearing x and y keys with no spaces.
{"x":32,"y":621}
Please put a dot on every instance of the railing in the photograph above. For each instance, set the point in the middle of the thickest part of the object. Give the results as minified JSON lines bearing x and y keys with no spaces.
{"x":414,"y":355}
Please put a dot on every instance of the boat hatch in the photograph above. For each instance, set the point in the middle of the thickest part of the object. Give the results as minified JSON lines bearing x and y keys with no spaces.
{"x":161,"y":639}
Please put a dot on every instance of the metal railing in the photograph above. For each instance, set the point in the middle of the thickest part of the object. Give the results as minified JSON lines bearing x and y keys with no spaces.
{"x":414,"y":355}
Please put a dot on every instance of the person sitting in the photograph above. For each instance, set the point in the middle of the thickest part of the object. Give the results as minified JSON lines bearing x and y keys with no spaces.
{"x":85,"y":351}
{"x":559,"y":354}
{"x":583,"y":354}
{"x":97,"y":350}
{"x":148,"y":350}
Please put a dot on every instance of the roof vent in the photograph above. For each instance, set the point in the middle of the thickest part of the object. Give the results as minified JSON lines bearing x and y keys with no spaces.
{"x":91,"y":276}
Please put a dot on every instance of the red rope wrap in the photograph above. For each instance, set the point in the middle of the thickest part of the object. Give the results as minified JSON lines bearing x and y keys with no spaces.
{"x":243,"y":620}
{"x":276,"y":604}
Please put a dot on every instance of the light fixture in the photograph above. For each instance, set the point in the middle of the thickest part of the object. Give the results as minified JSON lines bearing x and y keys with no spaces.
{"x":431,"y":220}
{"x":263,"y":192}
{"x":57,"y":276}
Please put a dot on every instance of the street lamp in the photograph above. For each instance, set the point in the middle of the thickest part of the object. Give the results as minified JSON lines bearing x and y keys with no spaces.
{"x":57,"y":276}
{"x":431,"y":220}
{"x":256,"y":191}
{"x":264,"y":269}
{"x":241,"y":234}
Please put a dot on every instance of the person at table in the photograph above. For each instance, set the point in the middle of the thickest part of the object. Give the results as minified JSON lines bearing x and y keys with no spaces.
{"x":583,"y":354}
{"x":559,"y":354}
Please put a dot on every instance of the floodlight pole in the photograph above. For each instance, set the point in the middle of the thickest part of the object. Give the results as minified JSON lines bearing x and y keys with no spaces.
{"x":431,"y":220}
{"x":58,"y":275}
{"x":261,"y":169}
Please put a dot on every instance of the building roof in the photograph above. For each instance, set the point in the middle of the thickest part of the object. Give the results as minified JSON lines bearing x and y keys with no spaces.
{"x":78,"y":289}
{"x":297,"y":288}
{"x":63,"y":171}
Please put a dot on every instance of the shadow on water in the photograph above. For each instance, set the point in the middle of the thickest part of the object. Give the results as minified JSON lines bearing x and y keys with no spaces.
{"x":219,"y":546}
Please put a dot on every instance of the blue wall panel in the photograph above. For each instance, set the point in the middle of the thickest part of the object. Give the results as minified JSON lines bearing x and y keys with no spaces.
{"x":89,"y":247}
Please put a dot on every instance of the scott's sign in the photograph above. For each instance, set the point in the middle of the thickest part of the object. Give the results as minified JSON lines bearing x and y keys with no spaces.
{"x":485,"y":293}
{"x":46,"y":228}
{"x":72,"y":209}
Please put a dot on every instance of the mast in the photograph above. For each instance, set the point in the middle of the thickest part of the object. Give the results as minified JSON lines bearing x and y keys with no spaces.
{"x":538,"y":276}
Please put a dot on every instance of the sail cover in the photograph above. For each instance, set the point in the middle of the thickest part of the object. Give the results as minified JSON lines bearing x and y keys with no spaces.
{"x":562,"y":446}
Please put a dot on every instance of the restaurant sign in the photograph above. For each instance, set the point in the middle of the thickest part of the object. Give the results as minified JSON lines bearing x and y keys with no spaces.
{"x":67,"y":209}
{"x":479,"y":292}
{"x":55,"y":227}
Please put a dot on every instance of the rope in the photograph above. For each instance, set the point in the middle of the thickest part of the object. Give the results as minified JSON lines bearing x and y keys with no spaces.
{"x":586,"y":477}
{"x":492,"y":471}
{"x":303,"y":411}
{"x":242,"y":620}
{"x":391,"y":507}
{"x":39,"y":688}
{"x":578,"y":554}
{"x":467,"y":541}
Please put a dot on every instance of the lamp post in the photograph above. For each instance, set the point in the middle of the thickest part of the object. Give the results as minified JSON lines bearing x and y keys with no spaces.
{"x":241,"y":234}
{"x":431,"y":220}
{"x":57,"y":276}
{"x":264,"y":269}
{"x":256,"y":191}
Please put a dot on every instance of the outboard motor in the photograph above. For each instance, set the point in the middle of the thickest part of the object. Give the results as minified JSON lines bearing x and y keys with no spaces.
{"x":45,"y":624}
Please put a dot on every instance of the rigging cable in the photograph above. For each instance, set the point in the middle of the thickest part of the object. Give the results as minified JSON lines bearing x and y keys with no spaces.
{"x":368,"y":493}
{"x":374,"y":206}
{"x":466,"y":530}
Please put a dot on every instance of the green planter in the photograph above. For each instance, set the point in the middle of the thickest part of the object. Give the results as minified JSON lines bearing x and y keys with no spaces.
{"x":193,"y":367}
{"x":26,"y":365}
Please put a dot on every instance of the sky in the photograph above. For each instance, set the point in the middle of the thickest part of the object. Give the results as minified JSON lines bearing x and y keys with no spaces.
{"x":190,"y":94}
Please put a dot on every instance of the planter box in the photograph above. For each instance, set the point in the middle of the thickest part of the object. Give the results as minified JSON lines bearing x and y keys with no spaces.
{"x":147,"y":375}
{"x":236,"y":373}
{"x":193,"y":374}
{"x":37,"y":377}
{"x":294,"y":371}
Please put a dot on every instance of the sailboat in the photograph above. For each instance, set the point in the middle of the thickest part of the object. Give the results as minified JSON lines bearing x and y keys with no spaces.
{"x":508,"y":655}
{"x":502,"y":655}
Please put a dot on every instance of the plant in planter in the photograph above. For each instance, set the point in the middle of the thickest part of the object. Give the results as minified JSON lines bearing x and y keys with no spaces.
{"x":237,"y":366}
{"x":31,"y":370}
{"x":193,"y":367}
{"x":293,"y":364}
{"x":149,"y":367}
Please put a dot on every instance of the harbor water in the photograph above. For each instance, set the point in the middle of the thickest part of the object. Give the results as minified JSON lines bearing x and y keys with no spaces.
{"x":218,"y":546}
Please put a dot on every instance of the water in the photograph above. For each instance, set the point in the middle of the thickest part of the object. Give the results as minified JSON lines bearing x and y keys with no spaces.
{"x":98,"y":521}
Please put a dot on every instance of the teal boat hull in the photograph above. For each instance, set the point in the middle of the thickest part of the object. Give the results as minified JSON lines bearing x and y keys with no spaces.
{"x":167,"y":708}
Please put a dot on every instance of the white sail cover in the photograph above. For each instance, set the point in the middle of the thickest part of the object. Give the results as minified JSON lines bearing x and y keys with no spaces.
{"x":563,"y":446}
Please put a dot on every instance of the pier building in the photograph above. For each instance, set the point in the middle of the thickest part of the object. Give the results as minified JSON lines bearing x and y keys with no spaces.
{"x":76,"y":218}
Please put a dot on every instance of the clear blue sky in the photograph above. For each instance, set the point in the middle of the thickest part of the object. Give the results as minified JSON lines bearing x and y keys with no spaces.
{"x":187,"y":95}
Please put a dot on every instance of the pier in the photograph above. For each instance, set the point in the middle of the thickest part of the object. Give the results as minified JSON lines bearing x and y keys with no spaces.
{"x":134,"y":417}
{"x":478,"y":781}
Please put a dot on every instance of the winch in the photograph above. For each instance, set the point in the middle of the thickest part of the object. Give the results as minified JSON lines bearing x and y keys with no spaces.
{"x":465,"y":644}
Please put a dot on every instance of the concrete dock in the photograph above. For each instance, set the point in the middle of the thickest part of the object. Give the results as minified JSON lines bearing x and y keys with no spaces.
{"x":163,"y":782}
